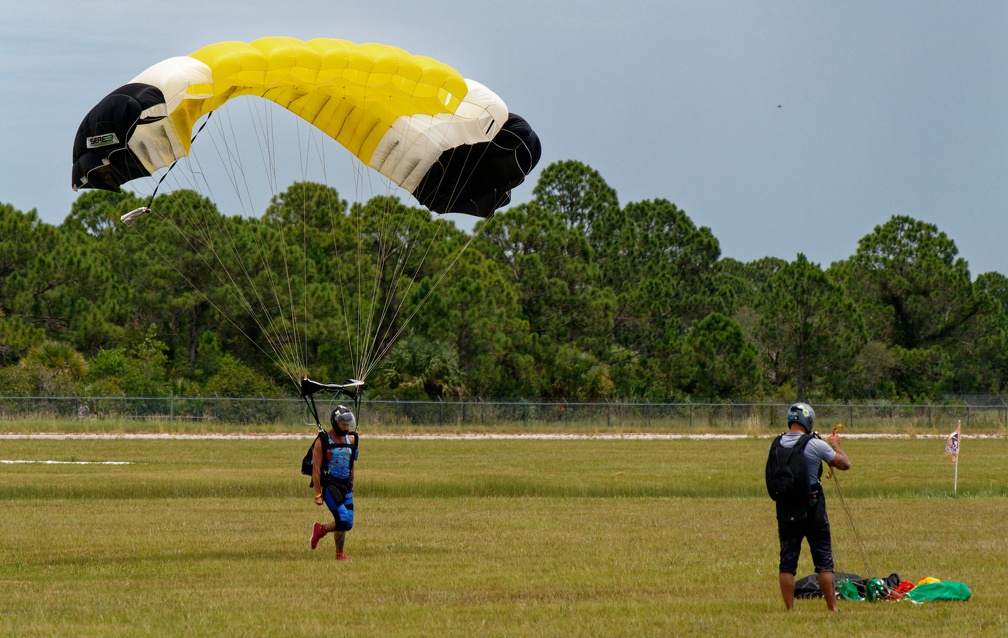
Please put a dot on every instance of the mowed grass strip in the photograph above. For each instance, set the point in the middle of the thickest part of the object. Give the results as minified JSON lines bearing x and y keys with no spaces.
{"x":619,"y":538}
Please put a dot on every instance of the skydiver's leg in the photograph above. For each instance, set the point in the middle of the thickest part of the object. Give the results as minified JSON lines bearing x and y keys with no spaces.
{"x":787,"y":589}
{"x":790,"y":549}
{"x":829,"y":593}
{"x":333,"y":503}
{"x":822,"y":554}
{"x":340,"y":538}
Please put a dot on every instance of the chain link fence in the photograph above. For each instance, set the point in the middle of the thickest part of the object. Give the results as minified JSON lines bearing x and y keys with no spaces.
{"x":977,"y":414}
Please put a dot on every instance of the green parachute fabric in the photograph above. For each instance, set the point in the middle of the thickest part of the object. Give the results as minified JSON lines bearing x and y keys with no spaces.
{"x":447,"y":140}
{"x":848,"y":590}
{"x":947,"y":590}
{"x":877,"y":589}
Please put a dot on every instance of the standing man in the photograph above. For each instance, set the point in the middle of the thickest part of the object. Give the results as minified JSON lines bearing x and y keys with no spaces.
{"x":804,"y":515}
{"x":332,"y":478}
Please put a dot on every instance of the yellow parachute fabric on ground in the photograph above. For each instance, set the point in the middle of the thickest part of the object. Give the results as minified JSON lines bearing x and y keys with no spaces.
{"x":352,"y":92}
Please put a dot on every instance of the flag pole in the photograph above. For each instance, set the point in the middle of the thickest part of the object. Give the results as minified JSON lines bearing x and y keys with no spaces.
{"x":952,"y":447}
{"x":955,"y":464}
{"x":955,"y":475}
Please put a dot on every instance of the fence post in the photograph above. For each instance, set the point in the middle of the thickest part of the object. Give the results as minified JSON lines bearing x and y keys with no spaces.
{"x":566,"y":409}
{"x":608,"y":414}
{"x":171,"y":405}
{"x":524,"y":412}
{"x":440,"y":411}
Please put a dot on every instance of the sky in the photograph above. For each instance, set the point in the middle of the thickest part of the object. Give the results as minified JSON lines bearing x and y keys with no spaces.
{"x":785,"y":127}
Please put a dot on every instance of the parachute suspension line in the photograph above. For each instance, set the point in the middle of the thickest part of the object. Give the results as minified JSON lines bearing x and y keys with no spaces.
{"x":380,"y":347}
{"x":388,"y":330}
{"x":275,"y":334}
{"x":416,"y":309}
{"x":397,"y":235}
{"x":284,"y":358}
{"x":267,"y":145}
{"x":304,"y":262}
{"x":399,"y":241}
{"x":191,"y":140}
{"x":282,"y":334}
{"x":175,"y":267}
{"x":850,"y":520}
{"x":336,"y":212}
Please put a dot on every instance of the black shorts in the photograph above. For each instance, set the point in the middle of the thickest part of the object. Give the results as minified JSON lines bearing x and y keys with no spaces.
{"x":816,"y":529}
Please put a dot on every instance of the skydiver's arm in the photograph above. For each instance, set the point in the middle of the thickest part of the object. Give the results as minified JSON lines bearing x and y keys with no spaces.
{"x":840,"y":460}
{"x":317,"y":470}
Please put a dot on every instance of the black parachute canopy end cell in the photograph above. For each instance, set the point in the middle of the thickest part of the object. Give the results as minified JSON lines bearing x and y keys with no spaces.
{"x":101,"y":157}
{"x":476,"y":179}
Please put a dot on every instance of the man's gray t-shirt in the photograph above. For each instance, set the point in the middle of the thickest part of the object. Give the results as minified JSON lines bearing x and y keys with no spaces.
{"x":816,"y":451}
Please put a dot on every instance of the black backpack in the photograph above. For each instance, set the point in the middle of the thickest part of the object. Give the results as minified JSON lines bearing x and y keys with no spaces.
{"x":787,"y":473}
{"x":309,"y":459}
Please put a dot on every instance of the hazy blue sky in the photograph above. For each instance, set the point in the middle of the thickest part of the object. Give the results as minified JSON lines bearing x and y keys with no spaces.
{"x":785,"y":127}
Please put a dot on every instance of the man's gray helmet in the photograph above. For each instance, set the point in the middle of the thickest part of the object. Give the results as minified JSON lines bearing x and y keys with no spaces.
{"x":343,"y":415}
{"x":801,"y":413}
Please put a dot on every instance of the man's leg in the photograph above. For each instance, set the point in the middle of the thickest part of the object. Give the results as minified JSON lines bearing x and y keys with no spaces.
{"x":340,"y":538}
{"x":822,"y":554}
{"x":790,"y":549}
{"x":787,"y":589}
{"x":829,"y":592}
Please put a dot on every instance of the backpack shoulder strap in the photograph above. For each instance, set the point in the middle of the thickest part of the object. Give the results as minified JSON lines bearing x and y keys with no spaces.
{"x":776,"y":442}
{"x":803,"y":443}
{"x":804,"y":440}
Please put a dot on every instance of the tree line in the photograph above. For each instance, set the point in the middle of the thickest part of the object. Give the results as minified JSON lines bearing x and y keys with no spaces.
{"x":570,"y":296}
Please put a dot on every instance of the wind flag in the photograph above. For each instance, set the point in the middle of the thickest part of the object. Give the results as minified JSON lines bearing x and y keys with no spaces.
{"x":952,"y":447}
{"x":952,"y":444}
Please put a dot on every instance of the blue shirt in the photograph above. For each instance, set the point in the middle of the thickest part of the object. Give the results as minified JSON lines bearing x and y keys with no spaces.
{"x":338,"y":461}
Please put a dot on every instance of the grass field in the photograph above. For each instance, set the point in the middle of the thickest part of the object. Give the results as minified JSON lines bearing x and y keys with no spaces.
{"x":524,"y":537}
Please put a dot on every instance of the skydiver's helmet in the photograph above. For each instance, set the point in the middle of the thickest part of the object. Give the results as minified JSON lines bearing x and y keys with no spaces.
{"x":342,"y":418}
{"x":801,"y":413}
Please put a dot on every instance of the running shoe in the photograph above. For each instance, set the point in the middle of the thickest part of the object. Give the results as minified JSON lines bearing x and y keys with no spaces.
{"x":318,"y":531}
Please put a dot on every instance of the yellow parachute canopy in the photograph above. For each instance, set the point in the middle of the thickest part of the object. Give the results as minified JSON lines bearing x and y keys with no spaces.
{"x":412,"y":118}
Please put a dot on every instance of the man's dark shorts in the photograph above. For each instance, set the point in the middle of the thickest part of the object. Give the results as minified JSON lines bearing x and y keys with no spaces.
{"x":816,"y":529}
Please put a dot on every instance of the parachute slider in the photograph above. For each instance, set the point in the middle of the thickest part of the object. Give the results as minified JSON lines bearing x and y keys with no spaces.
{"x":132,"y":216}
{"x":351,"y":388}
